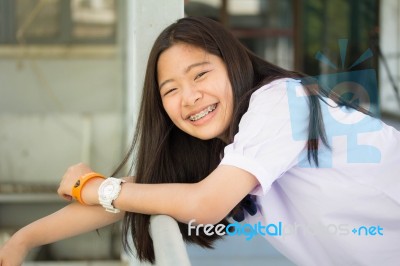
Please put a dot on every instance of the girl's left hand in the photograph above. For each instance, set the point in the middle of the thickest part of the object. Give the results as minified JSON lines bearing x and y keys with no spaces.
{"x":69,"y":179}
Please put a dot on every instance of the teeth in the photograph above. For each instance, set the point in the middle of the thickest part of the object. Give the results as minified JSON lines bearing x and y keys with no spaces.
{"x":203,"y":113}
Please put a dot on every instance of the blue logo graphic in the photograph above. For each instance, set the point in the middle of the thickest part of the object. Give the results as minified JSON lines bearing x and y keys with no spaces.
{"x":358,"y":87}
{"x":251,"y":230}
{"x":368,"y":231}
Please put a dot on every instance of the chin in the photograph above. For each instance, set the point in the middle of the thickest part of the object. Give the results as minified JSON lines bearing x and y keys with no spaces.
{"x":208,"y":136}
{"x":205,"y":133}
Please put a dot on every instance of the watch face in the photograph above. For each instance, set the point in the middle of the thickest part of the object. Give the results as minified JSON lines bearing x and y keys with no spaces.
{"x":109,"y":189}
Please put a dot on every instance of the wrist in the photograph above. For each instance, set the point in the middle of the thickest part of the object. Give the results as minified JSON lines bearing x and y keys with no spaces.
{"x":22,"y":242}
{"x":89,"y":192}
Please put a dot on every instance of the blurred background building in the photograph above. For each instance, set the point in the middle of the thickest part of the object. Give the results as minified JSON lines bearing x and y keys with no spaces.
{"x":71,"y":72}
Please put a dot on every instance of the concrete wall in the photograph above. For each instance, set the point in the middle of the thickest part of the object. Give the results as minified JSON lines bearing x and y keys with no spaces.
{"x":56,"y":110}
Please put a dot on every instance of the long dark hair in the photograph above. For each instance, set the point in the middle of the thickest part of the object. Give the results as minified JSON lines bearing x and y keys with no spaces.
{"x":161,"y":151}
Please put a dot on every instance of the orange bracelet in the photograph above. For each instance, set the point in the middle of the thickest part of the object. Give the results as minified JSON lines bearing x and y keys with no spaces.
{"x":80,"y":183}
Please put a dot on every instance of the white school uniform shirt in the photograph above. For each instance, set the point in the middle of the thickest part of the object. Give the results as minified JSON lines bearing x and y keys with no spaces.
{"x":326,"y":213}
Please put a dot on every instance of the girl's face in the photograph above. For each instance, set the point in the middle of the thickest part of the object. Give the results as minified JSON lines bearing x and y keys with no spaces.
{"x":195,"y":90}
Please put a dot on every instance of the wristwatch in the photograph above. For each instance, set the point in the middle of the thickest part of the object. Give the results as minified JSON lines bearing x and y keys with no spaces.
{"x":108,"y":191}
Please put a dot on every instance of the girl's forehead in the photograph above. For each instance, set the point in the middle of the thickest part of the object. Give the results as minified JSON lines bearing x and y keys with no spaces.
{"x":179,"y":55}
{"x":184,"y":48}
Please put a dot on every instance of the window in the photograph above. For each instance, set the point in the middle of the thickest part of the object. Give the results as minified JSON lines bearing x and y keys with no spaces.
{"x":264,"y":26}
{"x":57,"y":22}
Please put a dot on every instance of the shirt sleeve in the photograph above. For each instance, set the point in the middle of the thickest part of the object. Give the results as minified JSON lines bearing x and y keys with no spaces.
{"x":271,"y":133}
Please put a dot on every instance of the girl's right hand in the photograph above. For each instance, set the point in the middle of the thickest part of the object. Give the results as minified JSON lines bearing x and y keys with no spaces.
{"x":12,"y":253}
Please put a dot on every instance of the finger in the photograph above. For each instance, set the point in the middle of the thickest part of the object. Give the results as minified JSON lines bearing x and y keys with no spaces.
{"x":67,"y":197}
{"x":63,"y":195}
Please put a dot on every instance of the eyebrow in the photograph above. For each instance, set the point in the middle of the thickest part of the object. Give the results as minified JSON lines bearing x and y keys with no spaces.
{"x":190,"y":67}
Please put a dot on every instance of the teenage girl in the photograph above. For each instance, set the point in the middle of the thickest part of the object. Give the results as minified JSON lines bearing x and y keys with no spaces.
{"x":224,"y":134}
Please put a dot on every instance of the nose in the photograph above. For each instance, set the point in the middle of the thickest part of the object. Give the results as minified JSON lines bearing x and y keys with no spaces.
{"x":191,"y":95}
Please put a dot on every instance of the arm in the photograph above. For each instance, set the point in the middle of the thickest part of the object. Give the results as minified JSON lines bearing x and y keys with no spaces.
{"x":69,"y":221}
{"x":207,"y":201}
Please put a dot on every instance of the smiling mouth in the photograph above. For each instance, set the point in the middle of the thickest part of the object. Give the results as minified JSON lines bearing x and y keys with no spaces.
{"x":203,"y":113}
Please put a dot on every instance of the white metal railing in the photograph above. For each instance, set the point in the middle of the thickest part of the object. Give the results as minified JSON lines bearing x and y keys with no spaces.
{"x":169,"y":247}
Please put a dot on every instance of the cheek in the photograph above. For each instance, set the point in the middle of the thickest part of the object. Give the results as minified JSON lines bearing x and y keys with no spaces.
{"x":228,"y":94}
{"x":170,"y":109}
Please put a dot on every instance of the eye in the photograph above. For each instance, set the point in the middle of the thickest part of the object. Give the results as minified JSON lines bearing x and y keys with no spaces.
{"x":200,"y":75}
{"x":169,"y":91}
